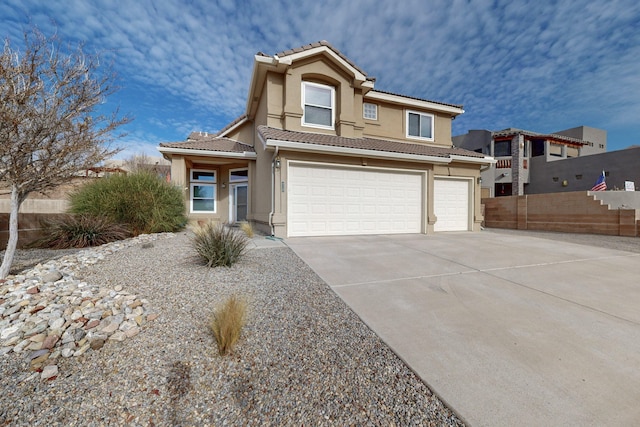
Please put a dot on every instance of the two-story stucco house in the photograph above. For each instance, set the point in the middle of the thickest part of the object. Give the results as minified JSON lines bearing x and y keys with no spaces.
{"x":320,"y":151}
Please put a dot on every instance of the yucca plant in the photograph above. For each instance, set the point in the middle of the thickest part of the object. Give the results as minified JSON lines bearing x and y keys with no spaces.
{"x":227,"y":322}
{"x":80,"y":231}
{"x":218,"y":244}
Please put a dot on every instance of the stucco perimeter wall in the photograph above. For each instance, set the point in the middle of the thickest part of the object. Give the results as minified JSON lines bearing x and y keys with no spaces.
{"x":574,"y":212}
{"x":618,"y":199}
{"x":29,"y":227}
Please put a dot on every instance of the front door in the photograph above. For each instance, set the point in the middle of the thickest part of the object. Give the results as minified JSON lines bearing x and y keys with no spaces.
{"x":239,"y":202}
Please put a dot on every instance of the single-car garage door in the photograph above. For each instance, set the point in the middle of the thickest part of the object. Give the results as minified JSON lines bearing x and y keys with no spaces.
{"x":326,"y":200}
{"x":451,"y":204}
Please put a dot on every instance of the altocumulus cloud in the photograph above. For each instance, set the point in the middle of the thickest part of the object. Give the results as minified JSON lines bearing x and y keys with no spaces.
{"x":537,"y":65}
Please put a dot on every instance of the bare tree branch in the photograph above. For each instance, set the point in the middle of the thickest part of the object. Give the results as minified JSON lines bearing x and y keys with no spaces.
{"x":50,"y":124}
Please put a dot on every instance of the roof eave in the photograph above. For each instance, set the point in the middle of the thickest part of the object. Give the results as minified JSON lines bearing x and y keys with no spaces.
{"x":357,"y":74}
{"x":486,"y":160}
{"x":207,"y":153}
{"x":260,"y":65}
{"x":234,"y":127}
{"x":358,"y":152}
{"x":415,"y":103}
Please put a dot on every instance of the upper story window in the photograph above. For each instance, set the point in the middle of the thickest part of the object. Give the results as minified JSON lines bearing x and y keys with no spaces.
{"x":555,"y":150}
{"x":502,"y":148}
{"x":318,"y":104}
{"x":419,"y":125}
{"x":370,"y":111}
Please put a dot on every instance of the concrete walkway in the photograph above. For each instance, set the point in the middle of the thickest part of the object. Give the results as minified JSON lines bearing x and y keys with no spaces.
{"x":508,"y":330}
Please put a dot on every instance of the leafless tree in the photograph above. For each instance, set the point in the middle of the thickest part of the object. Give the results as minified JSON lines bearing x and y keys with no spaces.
{"x":50,"y":124}
{"x":140,"y":162}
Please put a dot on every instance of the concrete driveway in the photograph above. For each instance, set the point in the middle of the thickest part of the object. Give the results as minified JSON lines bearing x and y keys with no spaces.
{"x":506,"y":329}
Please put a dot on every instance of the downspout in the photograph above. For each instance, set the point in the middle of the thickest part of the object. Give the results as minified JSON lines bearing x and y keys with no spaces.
{"x":273,"y":190}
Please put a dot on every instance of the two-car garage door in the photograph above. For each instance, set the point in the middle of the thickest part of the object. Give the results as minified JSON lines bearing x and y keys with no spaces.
{"x":325,"y":200}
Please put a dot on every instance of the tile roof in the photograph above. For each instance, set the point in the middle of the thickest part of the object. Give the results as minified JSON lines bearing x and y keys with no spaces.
{"x":514,"y":131}
{"x":232,"y":124}
{"x":211,"y":143}
{"x":416,"y":98}
{"x":319,"y":44}
{"x":341,"y":55}
{"x":373,"y":144}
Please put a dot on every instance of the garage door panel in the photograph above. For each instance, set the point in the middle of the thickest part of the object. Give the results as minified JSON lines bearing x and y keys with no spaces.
{"x":353,"y":201}
{"x":451,"y":204}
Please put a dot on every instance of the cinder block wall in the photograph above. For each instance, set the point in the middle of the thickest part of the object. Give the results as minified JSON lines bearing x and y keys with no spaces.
{"x":501,"y":212}
{"x":574,"y":212}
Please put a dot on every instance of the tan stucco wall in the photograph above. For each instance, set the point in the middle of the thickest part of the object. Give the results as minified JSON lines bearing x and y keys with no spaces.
{"x":275,"y":96}
{"x":284,"y":103}
{"x":261,"y":194}
{"x":320,"y":70}
{"x":391,"y":124}
{"x":243,"y":133}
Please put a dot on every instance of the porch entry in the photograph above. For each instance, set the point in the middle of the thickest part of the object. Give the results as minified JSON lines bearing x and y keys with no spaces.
{"x":238,"y":195}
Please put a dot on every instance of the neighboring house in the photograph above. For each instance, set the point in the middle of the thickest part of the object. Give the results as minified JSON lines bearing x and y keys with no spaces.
{"x":526,"y":162}
{"x":319,"y":151}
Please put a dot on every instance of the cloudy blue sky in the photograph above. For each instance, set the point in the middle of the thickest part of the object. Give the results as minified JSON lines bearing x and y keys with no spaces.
{"x":539,"y":65}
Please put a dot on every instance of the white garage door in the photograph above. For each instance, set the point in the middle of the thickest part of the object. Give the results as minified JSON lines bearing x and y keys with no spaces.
{"x":451,"y":204}
{"x":333,"y":200}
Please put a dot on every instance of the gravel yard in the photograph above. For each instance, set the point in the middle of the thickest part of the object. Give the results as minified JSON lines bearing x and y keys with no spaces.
{"x":304,"y":357}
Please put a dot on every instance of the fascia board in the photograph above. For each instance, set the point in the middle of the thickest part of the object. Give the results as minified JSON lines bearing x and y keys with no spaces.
{"x":416,"y":103}
{"x":303,"y":146}
{"x":481,"y":160}
{"x":207,"y":153}
{"x":260,"y":64}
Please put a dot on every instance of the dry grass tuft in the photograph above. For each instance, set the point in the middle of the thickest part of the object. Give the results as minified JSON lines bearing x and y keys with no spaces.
{"x":247,"y":228}
{"x":227,"y":323}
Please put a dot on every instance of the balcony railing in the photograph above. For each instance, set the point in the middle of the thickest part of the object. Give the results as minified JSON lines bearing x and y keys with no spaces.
{"x":506,"y":163}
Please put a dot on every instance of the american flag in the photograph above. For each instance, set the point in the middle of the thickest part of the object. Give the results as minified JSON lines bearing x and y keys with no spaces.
{"x":600,"y":184}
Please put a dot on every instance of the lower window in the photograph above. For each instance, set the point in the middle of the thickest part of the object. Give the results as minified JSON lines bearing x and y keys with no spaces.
{"x":203,"y":198}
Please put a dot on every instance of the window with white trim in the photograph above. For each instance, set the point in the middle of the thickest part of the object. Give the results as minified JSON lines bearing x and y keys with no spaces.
{"x":318,"y":105}
{"x":238,"y":175}
{"x":370,"y":111}
{"x":203,"y":191}
{"x":419,"y":125}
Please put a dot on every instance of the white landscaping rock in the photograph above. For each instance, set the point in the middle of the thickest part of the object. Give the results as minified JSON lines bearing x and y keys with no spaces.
{"x":49,"y":305}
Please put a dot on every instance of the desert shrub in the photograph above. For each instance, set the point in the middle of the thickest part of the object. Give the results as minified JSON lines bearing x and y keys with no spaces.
{"x":142,"y":200}
{"x":247,"y":229}
{"x":227,"y":322}
{"x":218,"y":244}
{"x":80,"y":231}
